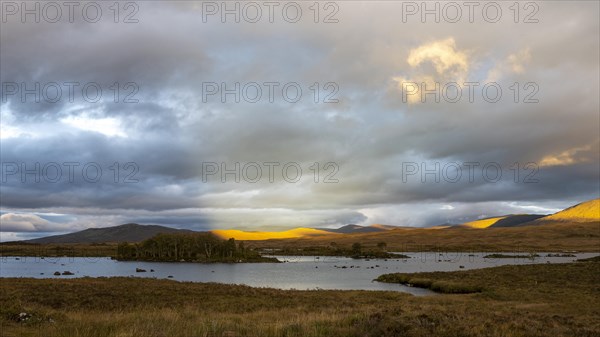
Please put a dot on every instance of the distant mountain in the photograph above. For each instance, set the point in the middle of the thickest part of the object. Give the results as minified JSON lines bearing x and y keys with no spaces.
{"x":130,"y":232}
{"x":588,"y":211}
{"x":251,"y":235}
{"x":482,"y":223}
{"x":350,"y":229}
{"x":511,"y":220}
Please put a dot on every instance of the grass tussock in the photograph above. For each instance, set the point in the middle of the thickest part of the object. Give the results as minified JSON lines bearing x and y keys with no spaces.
{"x":590,"y":259}
{"x":443,"y":287}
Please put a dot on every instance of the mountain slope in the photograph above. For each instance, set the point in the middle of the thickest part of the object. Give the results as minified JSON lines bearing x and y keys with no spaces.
{"x":124,"y":233}
{"x":516,"y":220}
{"x":588,"y":211}
{"x":482,"y":223}
{"x":512,"y":220}
{"x":289,"y":234}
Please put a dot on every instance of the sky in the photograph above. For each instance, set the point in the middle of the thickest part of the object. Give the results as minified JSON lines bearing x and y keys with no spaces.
{"x":169,"y":113}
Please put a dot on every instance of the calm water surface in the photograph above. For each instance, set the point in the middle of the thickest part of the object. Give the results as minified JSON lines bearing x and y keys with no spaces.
{"x":306,"y":272}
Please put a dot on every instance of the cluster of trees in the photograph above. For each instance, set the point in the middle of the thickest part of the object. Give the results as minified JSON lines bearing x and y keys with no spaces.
{"x":193,"y":247}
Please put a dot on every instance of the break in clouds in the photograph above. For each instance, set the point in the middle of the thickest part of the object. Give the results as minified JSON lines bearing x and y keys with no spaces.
{"x":345,"y":102}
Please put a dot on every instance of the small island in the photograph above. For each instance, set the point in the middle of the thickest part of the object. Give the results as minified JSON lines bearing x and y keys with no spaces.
{"x":193,"y":247}
{"x":357,"y":251}
{"x":511,"y":256}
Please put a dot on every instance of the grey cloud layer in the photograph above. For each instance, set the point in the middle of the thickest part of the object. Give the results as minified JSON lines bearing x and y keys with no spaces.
{"x":369,"y":134}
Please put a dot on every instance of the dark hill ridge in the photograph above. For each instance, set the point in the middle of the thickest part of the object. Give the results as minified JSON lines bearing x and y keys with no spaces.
{"x":130,"y":232}
{"x":581,"y":213}
{"x":349,"y":229}
{"x":517,"y":220}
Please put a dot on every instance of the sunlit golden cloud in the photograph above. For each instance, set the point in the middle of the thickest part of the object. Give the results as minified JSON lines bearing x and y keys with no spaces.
{"x":443,"y":54}
{"x":569,"y":157}
{"x":450,"y":64}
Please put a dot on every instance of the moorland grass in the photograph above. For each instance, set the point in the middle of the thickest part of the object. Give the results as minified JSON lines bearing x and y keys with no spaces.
{"x":551,"y":237}
{"x":528,"y":300}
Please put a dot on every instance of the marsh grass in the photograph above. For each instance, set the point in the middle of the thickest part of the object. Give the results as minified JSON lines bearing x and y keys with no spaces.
{"x":443,"y":287}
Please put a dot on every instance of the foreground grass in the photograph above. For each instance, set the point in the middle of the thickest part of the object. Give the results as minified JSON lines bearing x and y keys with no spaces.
{"x":531,"y":300}
{"x":569,"y":282}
